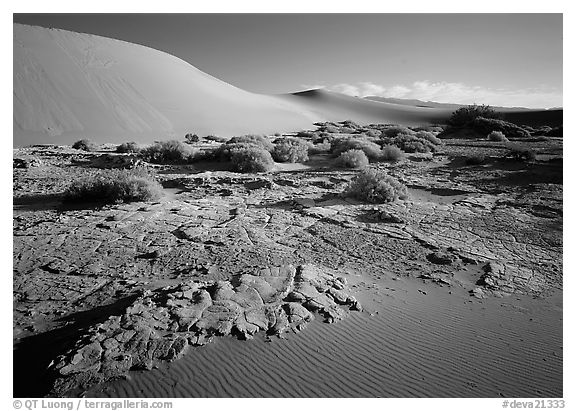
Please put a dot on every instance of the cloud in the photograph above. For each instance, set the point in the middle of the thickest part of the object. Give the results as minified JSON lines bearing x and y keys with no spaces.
{"x":446,"y":92}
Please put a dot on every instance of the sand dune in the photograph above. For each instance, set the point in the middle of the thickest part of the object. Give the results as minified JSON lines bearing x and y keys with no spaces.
{"x":70,"y":85}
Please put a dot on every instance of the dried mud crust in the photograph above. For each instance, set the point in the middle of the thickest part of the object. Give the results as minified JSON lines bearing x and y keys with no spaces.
{"x":500,"y":225}
{"x":161,"y":325}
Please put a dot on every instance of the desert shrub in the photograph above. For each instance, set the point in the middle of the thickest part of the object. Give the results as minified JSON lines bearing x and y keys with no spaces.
{"x":251,"y":159}
{"x":258,"y":140}
{"x":84,"y":145}
{"x":320,"y":148}
{"x":520,"y":153}
{"x":464,"y":116}
{"x":393,"y":131}
{"x":347,"y":130}
{"x":475,"y":159}
{"x":409,"y":143}
{"x":487,"y":125}
{"x":330,"y":129}
{"x":375,"y":186}
{"x":427,"y":135}
{"x":350,"y":124}
{"x":291,"y":150}
{"x":130,"y":147}
{"x":114,"y":186}
{"x":555,"y":132}
{"x":373,"y":133}
{"x":191,"y":138}
{"x":217,"y":139}
{"x":391,"y":153}
{"x":171,"y":151}
{"x":277,"y":134}
{"x":340,"y":145}
{"x":497,"y":136}
{"x":306,"y":133}
{"x":353,"y":159}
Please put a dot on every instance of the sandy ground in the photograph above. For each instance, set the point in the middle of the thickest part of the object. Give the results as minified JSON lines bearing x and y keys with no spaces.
{"x":461,"y":296}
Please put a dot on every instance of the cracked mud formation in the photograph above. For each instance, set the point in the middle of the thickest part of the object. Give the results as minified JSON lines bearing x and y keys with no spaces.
{"x":108,"y":290}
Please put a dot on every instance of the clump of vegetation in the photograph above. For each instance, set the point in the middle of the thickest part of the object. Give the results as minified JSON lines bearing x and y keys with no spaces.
{"x":320,"y":147}
{"x":340,"y":145}
{"x":255,"y":139}
{"x":373,"y":133}
{"x":475,"y":160}
{"x":114,"y":186}
{"x":427,"y":135}
{"x":353,"y":159}
{"x":191,"y":138}
{"x":130,"y":147}
{"x":307,"y":134}
{"x":391,"y":153}
{"x":487,"y":125}
{"x":409,"y":143}
{"x":393,"y":131}
{"x":84,"y":145}
{"x":291,"y":150}
{"x":555,"y":132}
{"x":520,"y":153}
{"x":166,"y":152}
{"x":497,"y":136}
{"x":465,"y":116}
{"x":217,"y":139}
{"x":375,"y":186}
{"x":250,"y":158}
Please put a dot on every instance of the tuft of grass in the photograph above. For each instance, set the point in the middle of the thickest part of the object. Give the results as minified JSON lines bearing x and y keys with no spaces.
{"x":114,"y":186}
{"x":84,"y":145}
{"x":429,"y":136}
{"x":393,"y":131}
{"x":353,"y":159}
{"x":167,"y":152}
{"x":131,"y":147}
{"x":375,"y":186}
{"x":290,"y":150}
{"x":409,"y":143}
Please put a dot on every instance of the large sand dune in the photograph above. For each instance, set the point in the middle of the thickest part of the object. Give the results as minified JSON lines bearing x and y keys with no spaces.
{"x":70,"y":85}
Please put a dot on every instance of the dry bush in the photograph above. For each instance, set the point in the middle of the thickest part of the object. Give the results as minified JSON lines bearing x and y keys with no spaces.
{"x":130,"y":147}
{"x":409,"y":143}
{"x":375,"y":186}
{"x":320,"y":148}
{"x":290,"y":150}
{"x":520,"y":153}
{"x":255,"y":139}
{"x":114,"y":186}
{"x":353,"y":159}
{"x":392,"y":153}
{"x":168,"y":152}
{"x":84,"y":145}
{"x":427,"y":135}
{"x":393,"y":131}
{"x":250,"y":158}
{"x":465,"y":116}
{"x":497,"y":136}
{"x":340,"y":145}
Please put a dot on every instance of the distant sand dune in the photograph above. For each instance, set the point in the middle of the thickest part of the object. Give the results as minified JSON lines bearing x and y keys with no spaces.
{"x":70,"y":85}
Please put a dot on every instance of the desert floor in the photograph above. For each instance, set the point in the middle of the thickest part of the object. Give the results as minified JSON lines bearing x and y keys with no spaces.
{"x":460,"y":285}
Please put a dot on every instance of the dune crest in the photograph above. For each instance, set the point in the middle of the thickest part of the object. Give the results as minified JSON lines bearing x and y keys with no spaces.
{"x":71,"y":85}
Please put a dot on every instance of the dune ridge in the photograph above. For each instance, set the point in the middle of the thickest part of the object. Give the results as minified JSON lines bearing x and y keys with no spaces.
{"x":71,"y":85}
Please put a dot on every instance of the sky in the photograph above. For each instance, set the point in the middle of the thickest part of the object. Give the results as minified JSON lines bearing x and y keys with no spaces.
{"x":496,"y":59}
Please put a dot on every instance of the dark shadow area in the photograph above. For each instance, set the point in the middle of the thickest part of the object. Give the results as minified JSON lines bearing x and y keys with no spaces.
{"x":56,"y":202}
{"x":33,"y":355}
